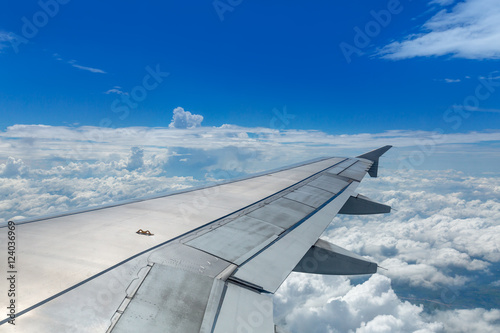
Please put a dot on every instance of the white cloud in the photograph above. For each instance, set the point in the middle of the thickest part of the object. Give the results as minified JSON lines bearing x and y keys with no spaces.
{"x":468,"y":30}
{"x":136,"y":159}
{"x":90,"y":143}
{"x":331,"y":304}
{"x":89,"y":69}
{"x":470,"y":320}
{"x":116,"y":90}
{"x":443,"y":219}
{"x":73,"y":63}
{"x":12,"y":168}
{"x":442,"y":2}
{"x":185,"y":120}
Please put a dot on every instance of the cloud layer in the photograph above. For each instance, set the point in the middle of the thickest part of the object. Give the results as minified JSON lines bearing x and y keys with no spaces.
{"x":440,"y":250}
{"x":469,"y":30}
{"x":50,"y":144}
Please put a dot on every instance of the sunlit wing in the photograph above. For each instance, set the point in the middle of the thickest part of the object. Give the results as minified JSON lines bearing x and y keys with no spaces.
{"x":205,"y":260}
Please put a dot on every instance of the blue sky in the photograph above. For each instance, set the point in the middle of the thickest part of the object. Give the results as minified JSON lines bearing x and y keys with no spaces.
{"x":260,"y":56}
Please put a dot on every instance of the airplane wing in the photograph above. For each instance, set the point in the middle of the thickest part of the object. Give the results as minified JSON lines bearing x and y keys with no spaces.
{"x":201,"y":260}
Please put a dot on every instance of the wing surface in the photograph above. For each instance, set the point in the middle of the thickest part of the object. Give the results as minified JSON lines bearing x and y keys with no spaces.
{"x":215,"y":257}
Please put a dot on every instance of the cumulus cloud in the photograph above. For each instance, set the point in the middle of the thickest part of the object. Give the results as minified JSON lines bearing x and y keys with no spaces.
{"x":470,"y":320}
{"x":469,"y":30}
{"x":324,"y":304}
{"x":439,"y":219}
{"x":185,"y":119}
{"x":12,"y":168}
{"x":135,"y":160}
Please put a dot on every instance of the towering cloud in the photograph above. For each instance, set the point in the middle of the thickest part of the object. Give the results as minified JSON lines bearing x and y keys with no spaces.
{"x":136,"y":159}
{"x":185,"y":119}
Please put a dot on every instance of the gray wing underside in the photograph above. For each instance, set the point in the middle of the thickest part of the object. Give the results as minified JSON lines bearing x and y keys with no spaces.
{"x":214,"y":260}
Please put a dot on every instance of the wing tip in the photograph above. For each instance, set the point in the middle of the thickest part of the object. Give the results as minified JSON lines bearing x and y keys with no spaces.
{"x":374,"y":156}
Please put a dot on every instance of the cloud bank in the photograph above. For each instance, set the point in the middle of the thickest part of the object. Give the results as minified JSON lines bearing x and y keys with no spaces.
{"x":468,"y":30}
{"x":440,"y":251}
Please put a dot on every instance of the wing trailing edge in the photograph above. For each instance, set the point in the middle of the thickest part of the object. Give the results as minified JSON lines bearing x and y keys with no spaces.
{"x":329,"y":259}
{"x":361,"y":205}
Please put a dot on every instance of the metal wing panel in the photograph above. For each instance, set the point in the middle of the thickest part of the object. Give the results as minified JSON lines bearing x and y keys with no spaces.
{"x":342,"y":166}
{"x":294,"y":244}
{"x":244,"y":310}
{"x":235,"y":239}
{"x":179,"y":304}
{"x":282,"y":212}
{"x":309,"y":195}
{"x":356,"y":171}
{"x":329,"y":183}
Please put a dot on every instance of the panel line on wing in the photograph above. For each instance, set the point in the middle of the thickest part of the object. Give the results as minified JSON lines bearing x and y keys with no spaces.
{"x":243,"y":236}
{"x":293,"y":227}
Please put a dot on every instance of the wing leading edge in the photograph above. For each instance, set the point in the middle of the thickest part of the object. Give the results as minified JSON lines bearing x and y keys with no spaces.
{"x":217,"y":277}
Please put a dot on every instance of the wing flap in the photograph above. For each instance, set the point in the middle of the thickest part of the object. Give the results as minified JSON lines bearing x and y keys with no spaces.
{"x":279,"y":259}
{"x":160,"y":305}
{"x":234,"y":240}
{"x":361,"y":205}
{"x":282,"y":212}
{"x":244,"y":310}
{"x":330,"y":259}
{"x":309,"y":195}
